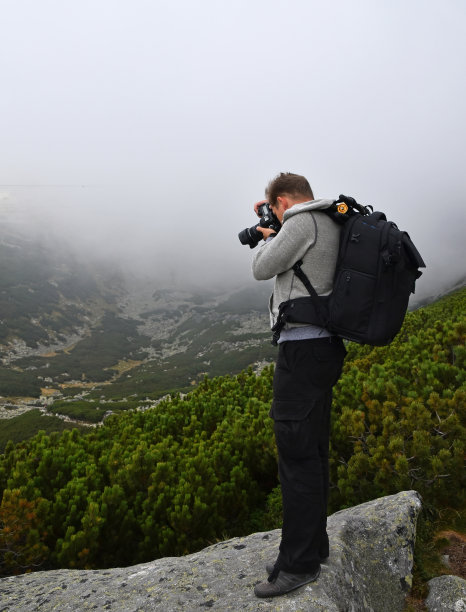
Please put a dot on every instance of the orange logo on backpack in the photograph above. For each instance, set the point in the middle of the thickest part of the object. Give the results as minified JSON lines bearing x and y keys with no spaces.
{"x":342,"y":208}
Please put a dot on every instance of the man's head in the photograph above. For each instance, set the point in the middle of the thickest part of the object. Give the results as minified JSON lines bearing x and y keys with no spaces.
{"x":287,"y":189}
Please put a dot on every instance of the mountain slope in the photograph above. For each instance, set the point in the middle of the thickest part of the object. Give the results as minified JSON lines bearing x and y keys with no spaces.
{"x":67,"y":327}
{"x":47,"y":298}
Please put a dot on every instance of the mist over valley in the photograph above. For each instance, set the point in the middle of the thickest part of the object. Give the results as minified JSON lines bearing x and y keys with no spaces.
{"x":74,"y":330}
{"x":77,"y":326}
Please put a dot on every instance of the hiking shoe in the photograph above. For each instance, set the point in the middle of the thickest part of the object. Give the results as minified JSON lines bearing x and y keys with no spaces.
{"x":284,"y":583}
{"x":270,"y":566}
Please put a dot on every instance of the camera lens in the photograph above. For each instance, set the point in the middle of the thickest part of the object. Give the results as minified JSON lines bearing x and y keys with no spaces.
{"x":250,"y":236}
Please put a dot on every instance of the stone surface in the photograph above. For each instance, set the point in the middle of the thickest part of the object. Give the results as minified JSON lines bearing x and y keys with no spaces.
{"x":369,"y":569}
{"x":447,"y":594}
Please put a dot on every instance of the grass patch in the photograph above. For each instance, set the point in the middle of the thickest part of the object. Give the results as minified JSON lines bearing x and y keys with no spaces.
{"x":177,"y":373}
{"x":114,"y":340}
{"x":17,"y":383}
{"x":88,"y":411}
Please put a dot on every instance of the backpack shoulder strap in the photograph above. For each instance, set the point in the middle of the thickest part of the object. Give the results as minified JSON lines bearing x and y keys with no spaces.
{"x":312,"y":292}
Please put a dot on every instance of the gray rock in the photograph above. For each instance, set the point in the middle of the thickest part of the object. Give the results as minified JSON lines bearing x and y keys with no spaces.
{"x":447,"y":594}
{"x":369,"y":569}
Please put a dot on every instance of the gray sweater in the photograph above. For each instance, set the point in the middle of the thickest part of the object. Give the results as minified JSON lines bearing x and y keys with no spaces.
{"x":306,"y":234}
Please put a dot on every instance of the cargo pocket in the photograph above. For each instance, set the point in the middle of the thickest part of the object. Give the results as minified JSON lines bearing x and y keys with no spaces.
{"x":294,"y":439}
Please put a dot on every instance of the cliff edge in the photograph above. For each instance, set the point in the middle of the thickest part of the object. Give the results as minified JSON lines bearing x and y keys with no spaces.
{"x":369,"y":569}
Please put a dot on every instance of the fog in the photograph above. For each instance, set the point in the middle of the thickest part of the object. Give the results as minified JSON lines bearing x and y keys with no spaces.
{"x":144,"y":131}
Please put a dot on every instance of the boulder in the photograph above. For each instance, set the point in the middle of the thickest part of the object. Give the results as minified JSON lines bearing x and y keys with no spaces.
{"x":369,"y":569}
{"x":446,"y":594}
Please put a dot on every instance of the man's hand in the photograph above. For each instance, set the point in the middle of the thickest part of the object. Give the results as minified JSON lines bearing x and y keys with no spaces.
{"x":257,"y":204}
{"x":265,"y":231}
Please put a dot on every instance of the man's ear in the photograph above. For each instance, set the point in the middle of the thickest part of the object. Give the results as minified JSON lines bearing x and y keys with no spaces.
{"x":285,"y":201}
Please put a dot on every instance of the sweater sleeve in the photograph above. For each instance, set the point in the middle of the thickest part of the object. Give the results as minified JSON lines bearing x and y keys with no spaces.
{"x":297,"y":235}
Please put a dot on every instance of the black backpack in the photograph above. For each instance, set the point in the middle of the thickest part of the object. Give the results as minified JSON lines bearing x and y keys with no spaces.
{"x":376,"y":271}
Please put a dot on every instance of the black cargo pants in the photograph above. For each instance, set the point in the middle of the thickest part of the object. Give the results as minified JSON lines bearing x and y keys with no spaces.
{"x":305,"y":373}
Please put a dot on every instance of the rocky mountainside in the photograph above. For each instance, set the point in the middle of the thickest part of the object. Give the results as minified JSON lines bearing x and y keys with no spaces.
{"x":68,"y":325}
{"x":48,"y":299}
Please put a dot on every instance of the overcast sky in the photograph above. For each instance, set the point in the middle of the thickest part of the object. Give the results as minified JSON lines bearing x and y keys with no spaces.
{"x":148,"y":128}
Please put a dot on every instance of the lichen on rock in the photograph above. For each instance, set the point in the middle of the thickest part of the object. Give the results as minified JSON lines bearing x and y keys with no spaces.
{"x":447,"y":594}
{"x":369,"y":569}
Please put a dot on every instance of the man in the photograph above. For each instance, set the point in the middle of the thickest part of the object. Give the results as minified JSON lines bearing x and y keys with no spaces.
{"x":309,"y":363}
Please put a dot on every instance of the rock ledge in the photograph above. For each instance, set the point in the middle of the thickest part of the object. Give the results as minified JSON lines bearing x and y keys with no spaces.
{"x":370,"y":569}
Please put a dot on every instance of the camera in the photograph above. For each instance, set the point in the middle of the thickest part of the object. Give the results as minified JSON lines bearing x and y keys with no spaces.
{"x":252,"y":236}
